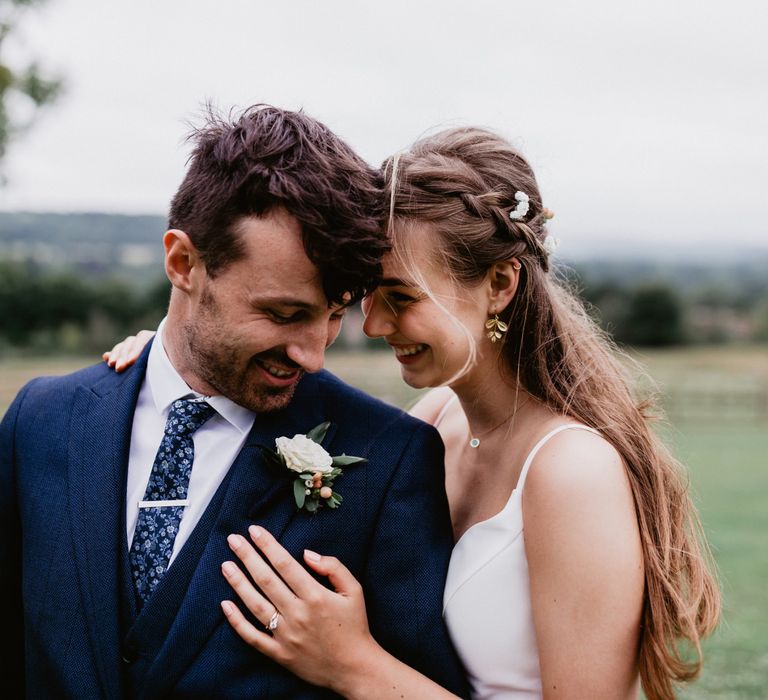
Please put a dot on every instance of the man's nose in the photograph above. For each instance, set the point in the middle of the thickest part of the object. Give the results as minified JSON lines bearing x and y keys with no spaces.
{"x":308,"y":348}
{"x":379,"y":317}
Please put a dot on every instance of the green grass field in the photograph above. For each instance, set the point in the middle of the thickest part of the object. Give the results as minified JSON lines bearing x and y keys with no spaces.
{"x":719,"y":428}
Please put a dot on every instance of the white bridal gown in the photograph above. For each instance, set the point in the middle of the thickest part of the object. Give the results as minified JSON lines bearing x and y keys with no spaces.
{"x":487,"y":601}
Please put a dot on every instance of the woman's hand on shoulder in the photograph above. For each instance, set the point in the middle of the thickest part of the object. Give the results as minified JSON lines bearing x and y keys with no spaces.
{"x":127,"y":351}
{"x":585,"y":561}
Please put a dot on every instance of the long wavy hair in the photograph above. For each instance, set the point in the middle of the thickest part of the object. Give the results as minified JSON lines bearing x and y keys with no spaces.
{"x":462,"y":183}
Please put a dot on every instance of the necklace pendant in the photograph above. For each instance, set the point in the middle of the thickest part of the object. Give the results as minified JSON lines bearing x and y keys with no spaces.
{"x":474,"y":443}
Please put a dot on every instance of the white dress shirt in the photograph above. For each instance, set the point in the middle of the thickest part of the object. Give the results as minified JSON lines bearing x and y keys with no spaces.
{"x":217,"y":442}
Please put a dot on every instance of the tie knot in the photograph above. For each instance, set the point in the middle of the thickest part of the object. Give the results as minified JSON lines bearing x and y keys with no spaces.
{"x":187,"y":415}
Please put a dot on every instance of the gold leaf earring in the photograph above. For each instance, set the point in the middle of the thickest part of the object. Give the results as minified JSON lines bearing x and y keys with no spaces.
{"x":496,"y":328}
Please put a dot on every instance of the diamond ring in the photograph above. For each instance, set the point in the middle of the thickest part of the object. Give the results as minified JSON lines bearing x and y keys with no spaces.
{"x":274,"y":621}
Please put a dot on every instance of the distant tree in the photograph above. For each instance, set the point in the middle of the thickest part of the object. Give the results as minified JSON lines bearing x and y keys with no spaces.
{"x":62,"y":310}
{"x":26,"y":81}
{"x":761,"y":321}
{"x":607,"y":303}
{"x":30,"y":302}
{"x":654,"y":316}
{"x":18,"y":304}
{"x":116,"y":300}
{"x":156,"y":298}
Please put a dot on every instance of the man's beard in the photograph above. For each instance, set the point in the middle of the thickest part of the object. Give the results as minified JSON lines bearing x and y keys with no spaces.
{"x":217,"y":363}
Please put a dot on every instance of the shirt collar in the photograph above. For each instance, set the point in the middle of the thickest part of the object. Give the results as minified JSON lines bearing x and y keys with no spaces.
{"x":166,"y":386}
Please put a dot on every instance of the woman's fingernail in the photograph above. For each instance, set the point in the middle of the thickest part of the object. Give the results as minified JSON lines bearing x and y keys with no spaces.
{"x":227,"y":607}
{"x":235,"y":541}
{"x":312,"y":556}
{"x":229,"y":568}
{"x":255,"y":532}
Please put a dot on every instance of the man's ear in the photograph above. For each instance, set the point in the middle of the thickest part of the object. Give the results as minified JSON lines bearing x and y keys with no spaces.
{"x":182,"y":261}
{"x":503,"y":278}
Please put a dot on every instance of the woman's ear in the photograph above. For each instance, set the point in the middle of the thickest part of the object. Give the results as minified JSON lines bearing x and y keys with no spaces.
{"x":182,"y":261}
{"x":503,"y":278}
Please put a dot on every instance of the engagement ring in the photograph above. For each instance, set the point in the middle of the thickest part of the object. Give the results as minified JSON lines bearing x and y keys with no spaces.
{"x":274,"y":621}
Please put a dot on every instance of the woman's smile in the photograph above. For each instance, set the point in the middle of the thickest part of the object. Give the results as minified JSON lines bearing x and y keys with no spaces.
{"x":409,"y":353}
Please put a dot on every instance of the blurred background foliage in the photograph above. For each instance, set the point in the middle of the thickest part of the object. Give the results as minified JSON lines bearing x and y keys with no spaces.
{"x":24,"y":87}
{"x":77,"y":282}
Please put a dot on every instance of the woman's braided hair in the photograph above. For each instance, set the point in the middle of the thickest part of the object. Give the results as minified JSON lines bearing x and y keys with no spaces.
{"x":474,"y":172}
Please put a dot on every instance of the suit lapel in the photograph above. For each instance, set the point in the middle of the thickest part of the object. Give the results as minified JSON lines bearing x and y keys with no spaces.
{"x":255,"y":493}
{"x":99,"y":442}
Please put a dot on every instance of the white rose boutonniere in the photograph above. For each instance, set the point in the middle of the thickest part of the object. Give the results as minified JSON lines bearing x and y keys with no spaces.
{"x":302,"y":454}
{"x":316,"y":469}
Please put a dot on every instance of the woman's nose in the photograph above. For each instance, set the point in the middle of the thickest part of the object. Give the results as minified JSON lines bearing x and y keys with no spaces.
{"x":380,"y":320}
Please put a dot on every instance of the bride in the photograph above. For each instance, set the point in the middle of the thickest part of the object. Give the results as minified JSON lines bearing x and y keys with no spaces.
{"x":579,"y":569}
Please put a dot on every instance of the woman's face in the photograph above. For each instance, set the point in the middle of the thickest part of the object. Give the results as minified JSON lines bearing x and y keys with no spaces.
{"x":426,"y":335}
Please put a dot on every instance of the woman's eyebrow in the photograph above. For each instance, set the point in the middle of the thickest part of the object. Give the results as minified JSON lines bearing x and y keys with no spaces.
{"x":395,"y":282}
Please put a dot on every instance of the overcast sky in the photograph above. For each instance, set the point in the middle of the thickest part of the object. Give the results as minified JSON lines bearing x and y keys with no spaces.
{"x":645,"y":122}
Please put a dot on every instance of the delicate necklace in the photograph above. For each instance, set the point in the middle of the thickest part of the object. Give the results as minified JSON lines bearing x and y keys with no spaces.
{"x":474,"y":440}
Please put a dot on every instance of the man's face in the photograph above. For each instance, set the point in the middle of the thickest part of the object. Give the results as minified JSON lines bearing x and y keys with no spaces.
{"x":264,"y":320}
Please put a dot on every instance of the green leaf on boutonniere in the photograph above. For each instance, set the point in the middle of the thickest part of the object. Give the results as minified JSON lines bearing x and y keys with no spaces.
{"x":335,"y":500}
{"x":272,"y":459}
{"x":299,"y":492}
{"x":347,"y":461}
{"x":317,"y":434}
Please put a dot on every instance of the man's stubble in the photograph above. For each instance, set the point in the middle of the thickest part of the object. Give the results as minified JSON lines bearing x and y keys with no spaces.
{"x":215,"y":359}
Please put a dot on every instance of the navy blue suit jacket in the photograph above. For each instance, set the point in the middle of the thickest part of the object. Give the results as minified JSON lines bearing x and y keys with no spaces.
{"x":63,"y":460}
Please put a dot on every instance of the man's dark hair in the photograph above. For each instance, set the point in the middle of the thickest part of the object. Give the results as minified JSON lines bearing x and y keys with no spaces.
{"x":264,"y":158}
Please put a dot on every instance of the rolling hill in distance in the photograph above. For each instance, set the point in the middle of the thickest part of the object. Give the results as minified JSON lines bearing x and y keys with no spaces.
{"x":128,"y":247}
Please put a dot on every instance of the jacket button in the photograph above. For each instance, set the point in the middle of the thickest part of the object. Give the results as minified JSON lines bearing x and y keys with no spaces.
{"x":130,"y":654}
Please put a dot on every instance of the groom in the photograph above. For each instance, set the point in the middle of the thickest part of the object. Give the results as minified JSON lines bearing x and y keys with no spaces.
{"x":117,"y":492}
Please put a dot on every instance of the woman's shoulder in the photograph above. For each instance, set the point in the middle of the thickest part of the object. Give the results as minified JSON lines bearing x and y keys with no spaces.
{"x":578,"y":480}
{"x":576,"y":466}
{"x":431,"y":407}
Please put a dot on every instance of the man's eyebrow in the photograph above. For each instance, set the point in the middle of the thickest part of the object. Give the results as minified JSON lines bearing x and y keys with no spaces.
{"x":284,"y":301}
{"x":297,"y":303}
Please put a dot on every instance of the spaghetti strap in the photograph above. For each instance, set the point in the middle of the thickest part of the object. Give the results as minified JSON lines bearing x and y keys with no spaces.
{"x":444,"y":410}
{"x":532,"y":454}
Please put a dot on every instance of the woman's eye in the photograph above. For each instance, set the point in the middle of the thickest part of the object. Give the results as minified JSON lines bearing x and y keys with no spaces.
{"x":400,"y":298}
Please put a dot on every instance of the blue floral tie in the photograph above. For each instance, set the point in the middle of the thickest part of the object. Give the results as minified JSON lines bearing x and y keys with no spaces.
{"x":157,"y":525}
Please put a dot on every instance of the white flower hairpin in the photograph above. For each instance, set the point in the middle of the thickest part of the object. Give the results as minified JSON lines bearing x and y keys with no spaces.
{"x":522,"y":206}
{"x":550,"y":245}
